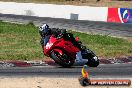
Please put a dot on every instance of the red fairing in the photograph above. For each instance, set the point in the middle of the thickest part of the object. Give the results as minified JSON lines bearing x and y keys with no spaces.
{"x":60,"y":44}
{"x":58,"y":50}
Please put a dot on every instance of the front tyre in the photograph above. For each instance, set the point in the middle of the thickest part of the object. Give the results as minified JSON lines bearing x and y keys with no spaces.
{"x":63,"y":60}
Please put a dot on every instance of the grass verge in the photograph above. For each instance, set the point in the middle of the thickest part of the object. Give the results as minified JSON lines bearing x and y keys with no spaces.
{"x":21,"y":42}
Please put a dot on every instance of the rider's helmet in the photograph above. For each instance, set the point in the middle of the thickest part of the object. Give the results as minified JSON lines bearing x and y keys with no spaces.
{"x":44,"y":29}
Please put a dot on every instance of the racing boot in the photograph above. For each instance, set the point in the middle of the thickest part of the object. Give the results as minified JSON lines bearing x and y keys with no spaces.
{"x":79,"y":61}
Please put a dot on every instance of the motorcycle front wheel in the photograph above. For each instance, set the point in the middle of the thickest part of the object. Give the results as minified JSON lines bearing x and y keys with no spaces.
{"x":63,"y":60}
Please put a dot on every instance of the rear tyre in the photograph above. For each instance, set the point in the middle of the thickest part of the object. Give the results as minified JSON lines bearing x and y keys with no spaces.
{"x":63,"y":60}
{"x":94,"y":62}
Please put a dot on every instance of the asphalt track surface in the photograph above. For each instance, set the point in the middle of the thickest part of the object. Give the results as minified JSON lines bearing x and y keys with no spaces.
{"x":92,"y":27}
{"x":102,"y":71}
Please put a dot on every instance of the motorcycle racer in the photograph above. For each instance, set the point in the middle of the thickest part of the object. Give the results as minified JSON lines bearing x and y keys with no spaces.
{"x":46,"y":32}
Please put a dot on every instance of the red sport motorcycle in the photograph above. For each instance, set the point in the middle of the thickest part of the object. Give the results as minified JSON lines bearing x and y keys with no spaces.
{"x":64,"y":52}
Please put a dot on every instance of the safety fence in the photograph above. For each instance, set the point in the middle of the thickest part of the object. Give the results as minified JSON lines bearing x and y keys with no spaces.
{"x":105,"y":14}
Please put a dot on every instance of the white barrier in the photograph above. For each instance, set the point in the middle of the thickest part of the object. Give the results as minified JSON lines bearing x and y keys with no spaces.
{"x":55,"y":11}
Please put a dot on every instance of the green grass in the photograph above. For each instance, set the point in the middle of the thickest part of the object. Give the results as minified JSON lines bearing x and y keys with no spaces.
{"x":102,"y":3}
{"x":21,"y":42}
{"x":106,"y":46}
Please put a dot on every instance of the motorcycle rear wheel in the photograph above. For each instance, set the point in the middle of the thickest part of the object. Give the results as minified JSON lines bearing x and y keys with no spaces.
{"x":63,"y":60}
{"x":93,"y":62}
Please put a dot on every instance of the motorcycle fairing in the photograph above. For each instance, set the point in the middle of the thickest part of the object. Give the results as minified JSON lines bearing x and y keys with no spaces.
{"x":61,"y":44}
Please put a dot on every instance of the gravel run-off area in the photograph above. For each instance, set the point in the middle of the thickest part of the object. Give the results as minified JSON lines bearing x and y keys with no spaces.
{"x":46,"y":82}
